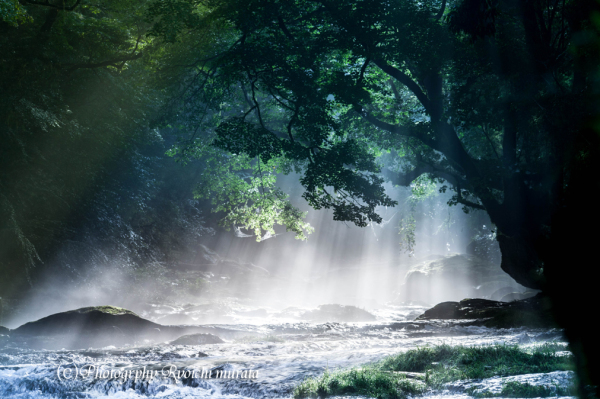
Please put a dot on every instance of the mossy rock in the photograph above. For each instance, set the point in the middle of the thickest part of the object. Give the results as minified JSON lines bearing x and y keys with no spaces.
{"x":97,"y":326}
{"x":531,"y":312}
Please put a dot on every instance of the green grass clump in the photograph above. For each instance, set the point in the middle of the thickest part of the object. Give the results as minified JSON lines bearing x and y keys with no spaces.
{"x":440,"y":365}
{"x":369,"y":381}
{"x":515,"y":389}
{"x":446,"y":363}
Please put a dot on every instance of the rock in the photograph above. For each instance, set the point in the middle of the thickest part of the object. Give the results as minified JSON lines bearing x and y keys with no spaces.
{"x":338,"y":313}
{"x":98,"y":326}
{"x":517,"y":296}
{"x":498,"y":294}
{"x":452,"y":278}
{"x":444,"y":310}
{"x":533,"y":312}
{"x":4,"y":330}
{"x":91,"y":326}
{"x":85,"y":321}
{"x":197,"y":339}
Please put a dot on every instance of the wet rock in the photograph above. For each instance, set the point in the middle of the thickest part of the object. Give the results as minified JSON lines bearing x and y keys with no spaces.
{"x":454,"y":277}
{"x":532,"y":312}
{"x":80,"y":328}
{"x":491,"y":387}
{"x":444,"y":310}
{"x":97,"y":327}
{"x":198,"y":339}
{"x":4,"y":330}
{"x":517,"y":296}
{"x":499,"y":293}
{"x":338,"y":313}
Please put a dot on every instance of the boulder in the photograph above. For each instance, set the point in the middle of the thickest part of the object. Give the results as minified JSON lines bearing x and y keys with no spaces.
{"x":499,"y":293}
{"x":4,"y":330}
{"x":91,"y":326}
{"x":97,"y":326}
{"x":517,"y":296}
{"x":197,"y":339}
{"x":452,"y":278}
{"x":338,"y":313}
{"x":533,"y":312}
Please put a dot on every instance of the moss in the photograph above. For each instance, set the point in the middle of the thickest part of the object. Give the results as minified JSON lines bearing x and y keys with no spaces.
{"x":113,"y":310}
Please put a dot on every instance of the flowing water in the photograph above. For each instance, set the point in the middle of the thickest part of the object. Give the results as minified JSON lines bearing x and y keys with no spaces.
{"x":276,"y":349}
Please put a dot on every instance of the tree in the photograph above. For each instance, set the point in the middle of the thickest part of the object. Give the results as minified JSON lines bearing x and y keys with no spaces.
{"x":492,"y":99}
{"x":83,"y":175}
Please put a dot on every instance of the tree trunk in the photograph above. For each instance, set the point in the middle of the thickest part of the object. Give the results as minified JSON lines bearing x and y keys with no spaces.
{"x":520,"y":260}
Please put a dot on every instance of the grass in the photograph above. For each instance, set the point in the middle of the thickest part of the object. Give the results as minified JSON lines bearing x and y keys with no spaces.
{"x":368,"y":381}
{"x":440,"y":364}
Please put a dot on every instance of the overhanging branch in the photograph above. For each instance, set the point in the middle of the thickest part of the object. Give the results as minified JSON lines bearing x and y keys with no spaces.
{"x":395,"y":129}
{"x":406,"y":81}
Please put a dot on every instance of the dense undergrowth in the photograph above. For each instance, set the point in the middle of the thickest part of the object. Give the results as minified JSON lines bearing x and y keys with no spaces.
{"x":433,"y":367}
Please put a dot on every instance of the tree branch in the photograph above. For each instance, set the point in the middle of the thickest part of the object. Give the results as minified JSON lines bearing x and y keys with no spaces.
{"x":284,"y":28}
{"x":404,"y":179}
{"x":441,"y":11}
{"x":395,"y":129}
{"x":406,"y":81}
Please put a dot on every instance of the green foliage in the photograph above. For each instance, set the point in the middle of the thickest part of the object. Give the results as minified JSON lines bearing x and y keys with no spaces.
{"x":245,"y":190}
{"x":83,"y":175}
{"x":13,"y":13}
{"x":446,"y":363}
{"x":368,"y":381}
{"x":406,"y":228}
{"x":334,"y":84}
{"x":442,"y":364}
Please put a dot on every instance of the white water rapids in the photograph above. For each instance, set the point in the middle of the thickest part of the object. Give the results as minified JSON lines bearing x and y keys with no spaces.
{"x":283,"y":351}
